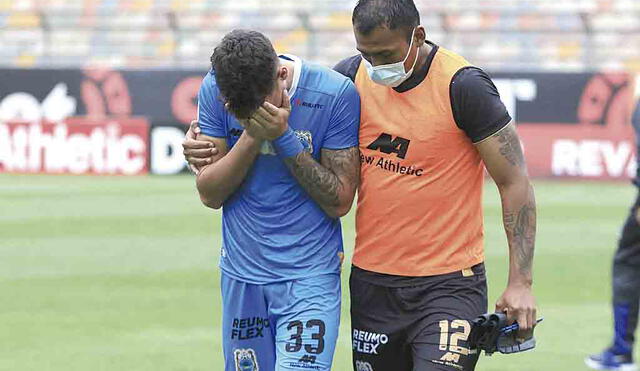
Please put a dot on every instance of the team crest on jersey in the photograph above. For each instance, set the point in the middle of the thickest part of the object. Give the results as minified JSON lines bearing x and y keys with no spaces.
{"x":306,"y":139}
{"x":363,"y":366}
{"x":246,"y":360}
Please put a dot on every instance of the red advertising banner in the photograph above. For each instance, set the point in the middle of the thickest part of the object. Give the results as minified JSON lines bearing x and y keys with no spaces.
{"x":76,"y":146}
{"x":571,"y":124}
{"x":593,"y":136}
{"x":585,"y":151}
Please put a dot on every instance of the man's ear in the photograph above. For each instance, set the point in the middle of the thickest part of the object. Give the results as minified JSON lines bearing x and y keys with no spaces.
{"x":283,"y":73}
{"x":420,"y":35}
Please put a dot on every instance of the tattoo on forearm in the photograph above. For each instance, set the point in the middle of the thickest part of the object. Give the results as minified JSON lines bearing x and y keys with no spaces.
{"x":326,"y":183}
{"x":521,"y":230}
{"x":510,"y":145}
{"x":315,"y":179}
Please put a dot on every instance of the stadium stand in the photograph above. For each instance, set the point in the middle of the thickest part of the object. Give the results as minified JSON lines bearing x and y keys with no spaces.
{"x":559,"y":35}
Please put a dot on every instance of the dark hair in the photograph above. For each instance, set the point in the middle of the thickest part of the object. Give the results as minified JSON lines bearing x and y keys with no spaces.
{"x":245,"y":65}
{"x":392,"y":14}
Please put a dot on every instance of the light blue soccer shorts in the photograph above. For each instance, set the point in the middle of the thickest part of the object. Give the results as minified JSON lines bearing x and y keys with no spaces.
{"x":291,"y":325}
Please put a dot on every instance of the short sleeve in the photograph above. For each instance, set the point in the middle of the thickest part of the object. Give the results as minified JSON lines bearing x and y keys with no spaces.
{"x":210,"y":109}
{"x":344,"y":123}
{"x":476,"y":104}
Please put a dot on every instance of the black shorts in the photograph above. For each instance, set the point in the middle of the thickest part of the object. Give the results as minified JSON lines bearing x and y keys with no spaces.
{"x":626,"y":264}
{"x":415,"y":323}
{"x":629,"y":243}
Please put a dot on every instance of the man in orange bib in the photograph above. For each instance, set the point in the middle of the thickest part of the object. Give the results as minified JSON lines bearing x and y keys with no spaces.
{"x":429,"y":122}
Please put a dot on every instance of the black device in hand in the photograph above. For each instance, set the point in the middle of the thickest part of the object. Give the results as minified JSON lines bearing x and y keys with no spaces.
{"x":491,"y":333}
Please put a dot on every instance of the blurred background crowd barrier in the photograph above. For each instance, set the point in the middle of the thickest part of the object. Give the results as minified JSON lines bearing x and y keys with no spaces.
{"x":558,"y":35}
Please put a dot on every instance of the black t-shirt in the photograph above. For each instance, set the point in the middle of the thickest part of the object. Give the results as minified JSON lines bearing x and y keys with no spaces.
{"x":477,"y":108}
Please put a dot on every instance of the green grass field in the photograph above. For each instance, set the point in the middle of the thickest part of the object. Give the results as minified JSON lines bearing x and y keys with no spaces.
{"x":118,"y":273}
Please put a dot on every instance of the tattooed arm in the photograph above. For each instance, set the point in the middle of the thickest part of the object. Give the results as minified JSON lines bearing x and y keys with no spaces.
{"x":503,"y":157}
{"x":331,"y":183}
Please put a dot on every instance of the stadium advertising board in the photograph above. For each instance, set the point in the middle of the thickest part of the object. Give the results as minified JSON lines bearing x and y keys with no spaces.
{"x":571,"y":124}
{"x":166,"y":149}
{"x":75,"y":146}
{"x":50,"y":118}
{"x":160,"y":96}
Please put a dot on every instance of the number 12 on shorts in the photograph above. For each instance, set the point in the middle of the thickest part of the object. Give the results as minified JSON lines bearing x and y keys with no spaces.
{"x":450,"y":343}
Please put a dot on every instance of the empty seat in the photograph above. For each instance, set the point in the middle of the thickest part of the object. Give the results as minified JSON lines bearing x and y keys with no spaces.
{"x":504,"y":34}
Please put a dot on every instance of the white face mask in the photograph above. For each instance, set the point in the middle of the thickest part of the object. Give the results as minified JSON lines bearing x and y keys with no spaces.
{"x":392,"y":74}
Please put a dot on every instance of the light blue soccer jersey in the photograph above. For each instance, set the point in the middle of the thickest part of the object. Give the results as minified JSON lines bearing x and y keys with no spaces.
{"x":272,"y":230}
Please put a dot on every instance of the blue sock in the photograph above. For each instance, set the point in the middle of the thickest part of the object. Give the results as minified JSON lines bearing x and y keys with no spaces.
{"x":621,"y":344}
